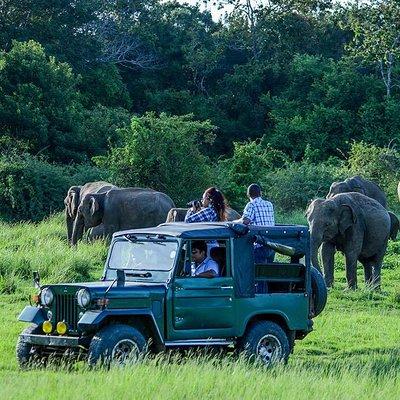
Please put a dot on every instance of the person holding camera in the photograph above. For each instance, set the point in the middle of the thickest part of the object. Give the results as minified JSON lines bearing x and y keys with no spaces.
{"x":210,"y":208}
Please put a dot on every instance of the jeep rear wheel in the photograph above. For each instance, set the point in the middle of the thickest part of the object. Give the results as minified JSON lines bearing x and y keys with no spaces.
{"x":267,"y":342}
{"x":117,"y":345}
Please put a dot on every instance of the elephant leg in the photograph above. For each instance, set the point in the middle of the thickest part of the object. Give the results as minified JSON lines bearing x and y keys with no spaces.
{"x":367,"y":272}
{"x":96,"y":233}
{"x":328,"y":262}
{"x":351,"y":270}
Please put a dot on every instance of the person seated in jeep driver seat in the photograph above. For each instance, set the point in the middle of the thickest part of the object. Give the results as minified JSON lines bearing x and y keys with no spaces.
{"x":205,"y":266}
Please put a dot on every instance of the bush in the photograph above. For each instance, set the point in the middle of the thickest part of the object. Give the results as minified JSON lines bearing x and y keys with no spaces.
{"x":378,"y":164}
{"x":163,"y":153}
{"x":251,"y":162}
{"x":293,"y":187}
{"x":31,"y":188}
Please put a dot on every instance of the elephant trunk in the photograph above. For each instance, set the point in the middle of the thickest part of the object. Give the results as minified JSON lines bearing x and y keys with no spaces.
{"x":77,"y":232}
{"x":70,"y":225}
{"x":315,"y":245}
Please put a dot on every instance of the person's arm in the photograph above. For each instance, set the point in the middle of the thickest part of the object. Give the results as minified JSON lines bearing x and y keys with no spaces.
{"x":248,"y":215}
{"x":207,"y":274}
{"x":204,"y":215}
{"x":211,"y":272}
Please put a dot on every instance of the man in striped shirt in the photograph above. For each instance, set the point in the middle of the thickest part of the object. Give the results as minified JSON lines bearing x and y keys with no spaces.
{"x":259,"y":212}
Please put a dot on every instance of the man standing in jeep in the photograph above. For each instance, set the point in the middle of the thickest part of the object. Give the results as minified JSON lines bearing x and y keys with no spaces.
{"x":259,"y":212}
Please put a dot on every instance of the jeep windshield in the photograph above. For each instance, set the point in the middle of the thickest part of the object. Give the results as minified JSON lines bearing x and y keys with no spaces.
{"x":140,"y":257}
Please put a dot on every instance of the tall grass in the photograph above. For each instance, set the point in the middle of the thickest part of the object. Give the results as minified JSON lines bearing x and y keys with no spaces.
{"x":353,"y":352}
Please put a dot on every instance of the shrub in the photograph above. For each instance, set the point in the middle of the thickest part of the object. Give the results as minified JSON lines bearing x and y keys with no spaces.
{"x":163,"y":153}
{"x":293,"y":187}
{"x":379,"y":164}
{"x":251,"y":162}
{"x":31,"y":188}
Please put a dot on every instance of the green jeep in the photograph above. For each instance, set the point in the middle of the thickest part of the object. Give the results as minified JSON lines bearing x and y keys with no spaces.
{"x":148,"y":300}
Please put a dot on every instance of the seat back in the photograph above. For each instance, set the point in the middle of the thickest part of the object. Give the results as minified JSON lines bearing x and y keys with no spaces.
{"x":218,"y":254}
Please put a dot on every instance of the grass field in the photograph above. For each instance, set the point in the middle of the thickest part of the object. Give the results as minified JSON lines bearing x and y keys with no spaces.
{"x":353,"y":353}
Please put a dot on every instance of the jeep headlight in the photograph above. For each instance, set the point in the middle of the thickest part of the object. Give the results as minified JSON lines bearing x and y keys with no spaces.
{"x":83,"y":298}
{"x":47,"y":296}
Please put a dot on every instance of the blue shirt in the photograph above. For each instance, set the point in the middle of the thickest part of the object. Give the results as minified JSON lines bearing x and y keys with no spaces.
{"x":259,"y":212}
{"x":208,"y":264}
{"x":207,"y":214}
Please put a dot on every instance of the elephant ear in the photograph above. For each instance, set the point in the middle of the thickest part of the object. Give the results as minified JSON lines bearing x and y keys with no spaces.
{"x":347,"y":218}
{"x":94,"y":205}
{"x":72,"y":200}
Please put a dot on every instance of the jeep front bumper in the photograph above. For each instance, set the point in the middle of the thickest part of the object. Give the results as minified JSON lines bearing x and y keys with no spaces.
{"x":54,"y":341}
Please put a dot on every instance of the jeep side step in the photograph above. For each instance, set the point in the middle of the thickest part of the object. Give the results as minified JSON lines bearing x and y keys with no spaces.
{"x":199,"y":342}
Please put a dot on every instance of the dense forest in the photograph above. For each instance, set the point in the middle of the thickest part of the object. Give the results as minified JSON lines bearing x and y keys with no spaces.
{"x":292,"y":94}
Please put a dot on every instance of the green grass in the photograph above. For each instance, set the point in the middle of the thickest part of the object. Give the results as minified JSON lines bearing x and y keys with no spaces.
{"x":353,"y":352}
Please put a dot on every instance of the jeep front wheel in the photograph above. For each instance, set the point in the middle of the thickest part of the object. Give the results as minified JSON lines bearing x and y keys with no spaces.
{"x":25,"y":352}
{"x":116,"y":344}
{"x":267,"y":342}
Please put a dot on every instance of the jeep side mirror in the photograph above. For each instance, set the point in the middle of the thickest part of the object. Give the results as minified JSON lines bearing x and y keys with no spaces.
{"x":120,"y":277}
{"x":36,"y":279}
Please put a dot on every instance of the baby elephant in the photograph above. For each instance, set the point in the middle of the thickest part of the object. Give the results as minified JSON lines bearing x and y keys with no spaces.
{"x":356,"y":225}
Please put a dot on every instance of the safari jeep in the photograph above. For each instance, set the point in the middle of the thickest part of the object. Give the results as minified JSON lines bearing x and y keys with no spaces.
{"x":147,"y":300}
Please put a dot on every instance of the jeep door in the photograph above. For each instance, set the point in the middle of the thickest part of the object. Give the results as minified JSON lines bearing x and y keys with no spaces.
{"x":201,"y":307}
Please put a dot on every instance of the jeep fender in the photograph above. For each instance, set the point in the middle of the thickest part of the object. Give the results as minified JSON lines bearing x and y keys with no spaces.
{"x":274,"y":316}
{"x":92,"y":320}
{"x":32,"y":314}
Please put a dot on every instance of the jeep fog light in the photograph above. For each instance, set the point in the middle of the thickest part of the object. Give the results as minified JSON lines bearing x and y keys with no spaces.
{"x":47,"y":296}
{"x":83,"y":298}
{"x":47,"y":327}
{"x":61,"y":327}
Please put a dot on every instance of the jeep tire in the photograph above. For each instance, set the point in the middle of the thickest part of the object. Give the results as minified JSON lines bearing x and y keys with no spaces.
{"x":24,"y":351}
{"x":267,"y":342}
{"x":117,"y":344}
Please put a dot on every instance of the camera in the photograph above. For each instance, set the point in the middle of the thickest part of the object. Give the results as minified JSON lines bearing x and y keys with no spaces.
{"x":194,"y":203}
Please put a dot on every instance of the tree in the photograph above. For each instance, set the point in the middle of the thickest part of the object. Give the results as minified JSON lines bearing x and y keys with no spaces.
{"x":376,"y":29}
{"x":39,"y":103}
{"x":163,"y":153}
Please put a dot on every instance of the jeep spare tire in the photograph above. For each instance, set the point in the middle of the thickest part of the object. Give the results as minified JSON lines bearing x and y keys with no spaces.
{"x":319,"y":292}
{"x":117,"y":344}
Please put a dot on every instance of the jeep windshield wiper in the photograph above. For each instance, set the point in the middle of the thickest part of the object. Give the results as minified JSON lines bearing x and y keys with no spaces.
{"x":139,"y":274}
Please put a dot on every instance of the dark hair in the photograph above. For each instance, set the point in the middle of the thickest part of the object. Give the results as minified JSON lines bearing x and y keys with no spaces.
{"x":254,"y":190}
{"x":199,"y":245}
{"x":217,"y":201}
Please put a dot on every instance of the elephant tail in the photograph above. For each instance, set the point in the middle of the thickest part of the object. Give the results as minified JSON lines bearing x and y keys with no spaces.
{"x":394,"y":225}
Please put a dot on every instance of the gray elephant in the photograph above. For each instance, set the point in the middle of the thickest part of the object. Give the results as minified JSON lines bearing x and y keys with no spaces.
{"x":356,"y":225}
{"x":75,"y":195}
{"x":359,"y":185}
{"x":120,"y":209}
{"x":178,"y":214}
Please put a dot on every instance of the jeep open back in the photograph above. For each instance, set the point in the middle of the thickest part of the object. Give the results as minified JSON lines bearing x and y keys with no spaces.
{"x":148,"y":300}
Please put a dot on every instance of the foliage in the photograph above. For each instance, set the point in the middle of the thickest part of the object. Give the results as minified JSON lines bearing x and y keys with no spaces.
{"x":39,"y":104}
{"x":293,"y":187}
{"x":379,"y":164}
{"x":250,"y":163}
{"x":163,"y":153}
{"x":31,"y":188}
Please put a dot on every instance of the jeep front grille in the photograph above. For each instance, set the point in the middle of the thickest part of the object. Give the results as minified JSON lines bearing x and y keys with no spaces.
{"x":66,"y":310}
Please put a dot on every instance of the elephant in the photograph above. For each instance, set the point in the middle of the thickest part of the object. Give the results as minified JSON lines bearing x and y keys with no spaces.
{"x":74,"y":196}
{"x":178,"y":214}
{"x":360,"y":185}
{"x":356,"y":225}
{"x":119,"y":209}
